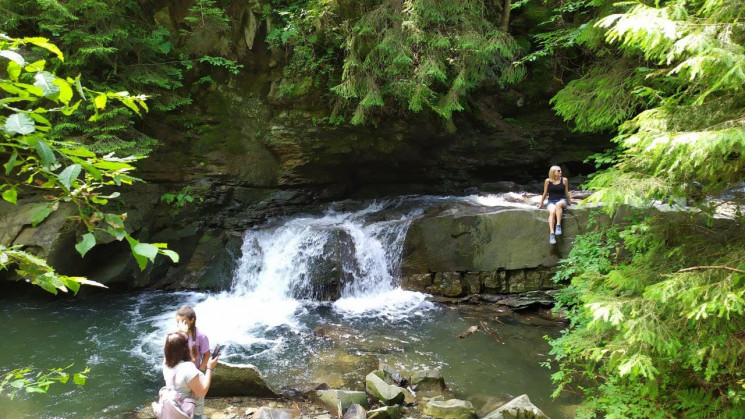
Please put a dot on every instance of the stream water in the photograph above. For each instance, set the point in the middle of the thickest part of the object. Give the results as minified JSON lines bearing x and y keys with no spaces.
{"x":271,"y":318}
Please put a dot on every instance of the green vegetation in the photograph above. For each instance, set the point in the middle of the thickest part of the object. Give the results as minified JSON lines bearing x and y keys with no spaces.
{"x":657,"y":306}
{"x":120,"y":47}
{"x":179,"y":199}
{"x":382,"y":57}
{"x":59,"y":172}
{"x":32,"y":380}
{"x":367,"y":59}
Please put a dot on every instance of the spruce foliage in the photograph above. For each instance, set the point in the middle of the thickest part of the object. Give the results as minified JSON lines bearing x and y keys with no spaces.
{"x":380,"y":57}
{"x":657,"y":306}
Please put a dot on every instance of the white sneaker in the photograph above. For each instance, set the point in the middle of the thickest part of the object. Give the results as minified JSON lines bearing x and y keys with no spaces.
{"x":552,"y":238}
{"x":558,"y":230}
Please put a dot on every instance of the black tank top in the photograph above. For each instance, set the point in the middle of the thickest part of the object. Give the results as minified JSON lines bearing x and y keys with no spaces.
{"x":556,"y":191}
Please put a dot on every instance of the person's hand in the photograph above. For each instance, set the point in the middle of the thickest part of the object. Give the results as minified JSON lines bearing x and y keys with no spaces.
{"x":182,"y":326}
{"x":540,"y":204}
{"x":212,"y":362}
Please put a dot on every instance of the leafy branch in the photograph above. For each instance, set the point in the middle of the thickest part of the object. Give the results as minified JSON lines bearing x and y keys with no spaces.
{"x":66,"y":172}
{"x":35,"y":380}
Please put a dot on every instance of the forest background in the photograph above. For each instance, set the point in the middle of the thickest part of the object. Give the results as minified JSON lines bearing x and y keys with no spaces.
{"x":656,"y":304}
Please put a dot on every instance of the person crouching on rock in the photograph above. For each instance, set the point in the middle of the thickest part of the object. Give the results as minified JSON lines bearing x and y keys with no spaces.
{"x":556,"y":187}
{"x":180,"y":372}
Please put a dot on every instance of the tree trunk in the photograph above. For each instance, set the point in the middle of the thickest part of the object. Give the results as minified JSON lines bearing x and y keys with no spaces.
{"x":505,"y":15}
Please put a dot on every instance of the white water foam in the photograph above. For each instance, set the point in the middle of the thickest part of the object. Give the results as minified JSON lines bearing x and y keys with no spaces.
{"x":274,"y":284}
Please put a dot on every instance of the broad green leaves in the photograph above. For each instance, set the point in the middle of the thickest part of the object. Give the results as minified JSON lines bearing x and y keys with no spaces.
{"x":86,"y":243}
{"x":33,"y":380}
{"x":69,"y":175}
{"x":144,"y":252}
{"x":19,"y":123}
{"x":65,"y":172}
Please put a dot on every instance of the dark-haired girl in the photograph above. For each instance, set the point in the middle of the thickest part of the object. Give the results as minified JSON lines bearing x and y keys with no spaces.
{"x":180,"y":372}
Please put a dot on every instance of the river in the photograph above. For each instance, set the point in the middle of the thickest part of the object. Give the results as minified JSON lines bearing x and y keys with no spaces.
{"x":271,"y":317}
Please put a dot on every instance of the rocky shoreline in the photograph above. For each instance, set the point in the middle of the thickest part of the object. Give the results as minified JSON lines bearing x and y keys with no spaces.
{"x":387,"y":395}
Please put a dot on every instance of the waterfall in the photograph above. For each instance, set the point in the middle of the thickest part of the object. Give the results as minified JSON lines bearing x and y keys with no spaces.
{"x":305,"y":256}
{"x":346,"y":260}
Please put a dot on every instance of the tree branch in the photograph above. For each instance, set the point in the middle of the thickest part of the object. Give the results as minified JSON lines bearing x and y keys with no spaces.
{"x":703,"y":268}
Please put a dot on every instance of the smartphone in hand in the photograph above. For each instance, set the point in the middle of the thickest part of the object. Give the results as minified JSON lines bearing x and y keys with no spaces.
{"x":216,"y":352}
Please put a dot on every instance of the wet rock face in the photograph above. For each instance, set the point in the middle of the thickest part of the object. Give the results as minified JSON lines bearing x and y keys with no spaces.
{"x":505,"y":251}
{"x":331,"y":270}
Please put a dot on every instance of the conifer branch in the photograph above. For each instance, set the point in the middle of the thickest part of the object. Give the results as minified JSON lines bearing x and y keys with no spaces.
{"x":702,"y":268}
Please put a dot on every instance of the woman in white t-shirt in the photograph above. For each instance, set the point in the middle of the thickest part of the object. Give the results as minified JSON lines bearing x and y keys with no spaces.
{"x":179,"y":369}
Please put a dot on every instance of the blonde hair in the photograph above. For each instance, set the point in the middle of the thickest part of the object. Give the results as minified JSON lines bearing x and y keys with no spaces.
{"x":552,"y":173}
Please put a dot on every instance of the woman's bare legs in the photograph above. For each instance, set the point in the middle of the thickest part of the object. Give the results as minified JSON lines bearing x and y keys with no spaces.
{"x":559,"y":211}
{"x":555,"y":212}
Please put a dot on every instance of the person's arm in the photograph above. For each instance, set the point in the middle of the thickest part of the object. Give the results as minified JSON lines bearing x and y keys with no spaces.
{"x":566,"y":192}
{"x":204,"y":358}
{"x":203,"y":345}
{"x":545,"y":192}
{"x":200,"y":384}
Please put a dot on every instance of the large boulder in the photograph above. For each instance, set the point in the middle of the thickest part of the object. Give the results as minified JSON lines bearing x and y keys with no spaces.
{"x":239,"y":380}
{"x":54,"y":239}
{"x":387,"y":393}
{"x":502,"y":240}
{"x":465,"y":251}
{"x":518,"y":408}
{"x":461,"y":250}
{"x":449,"y":409}
{"x":428,"y":383}
{"x":332,"y":400}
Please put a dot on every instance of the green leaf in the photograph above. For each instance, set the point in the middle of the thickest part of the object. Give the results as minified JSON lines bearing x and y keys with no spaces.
{"x":65,"y":91}
{"x":45,"y":152}
{"x":78,"y":152}
{"x":171,"y":254}
{"x":36,"y":66}
{"x":141,"y":260}
{"x":14,"y":70}
{"x":100,"y":101}
{"x":146,"y":250}
{"x":45,"y":81}
{"x":11,"y":195}
{"x":44,"y":43}
{"x":40,"y":213}
{"x":79,"y":379}
{"x":86,"y":244}
{"x":114,"y":220}
{"x":19,"y":123}
{"x":12,"y":163}
{"x":92,"y":171}
{"x":69,"y":175}
{"x":13,"y":56}
{"x":79,"y":88}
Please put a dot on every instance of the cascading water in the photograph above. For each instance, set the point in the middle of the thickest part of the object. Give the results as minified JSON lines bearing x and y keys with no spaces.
{"x":346,"y":261}
{"x":286,"y":261}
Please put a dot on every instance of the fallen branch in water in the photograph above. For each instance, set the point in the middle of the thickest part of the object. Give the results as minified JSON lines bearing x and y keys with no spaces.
{"x":483,"y":324}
